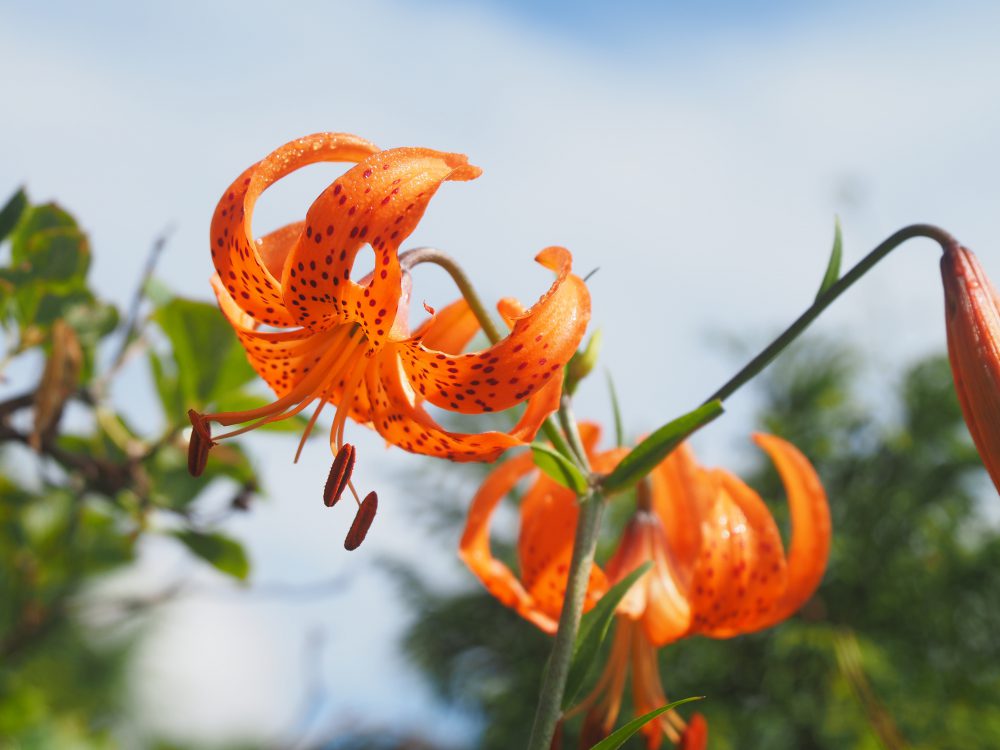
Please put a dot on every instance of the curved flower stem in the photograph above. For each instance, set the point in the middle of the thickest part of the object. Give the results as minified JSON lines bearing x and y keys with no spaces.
{"x":418,"y":255}
{"x":762,"y":360}
{"x":557,"y":668}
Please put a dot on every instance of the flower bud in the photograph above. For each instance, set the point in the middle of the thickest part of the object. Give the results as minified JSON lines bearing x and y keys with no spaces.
{"x":972,"y":319}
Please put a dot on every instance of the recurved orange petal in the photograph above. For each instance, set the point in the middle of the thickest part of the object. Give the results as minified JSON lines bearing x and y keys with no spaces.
{"x":740,"y":573}
{"x":252,"y":282}
{"x":475,"y":549}
{"x":810,"y":542}
{"x":540,"y":344}
{"x":376,"y":203}
{"x":680,"y":490}
{"x":549,"y":515}
{"x":398,"y":416}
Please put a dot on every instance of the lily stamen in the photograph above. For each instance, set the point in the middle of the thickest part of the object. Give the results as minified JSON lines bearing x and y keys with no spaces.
{"x":340,"y":475}
{"x":362,"y":522}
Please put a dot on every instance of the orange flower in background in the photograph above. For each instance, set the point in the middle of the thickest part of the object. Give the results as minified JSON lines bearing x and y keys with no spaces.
{"x":316,"y":335}
{"x":719,"y":568}
{"x":545,"y":541}
{"x":972,"y":319}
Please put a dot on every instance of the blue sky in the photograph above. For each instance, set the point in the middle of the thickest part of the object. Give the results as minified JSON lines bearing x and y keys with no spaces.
{"x":696,"y":152}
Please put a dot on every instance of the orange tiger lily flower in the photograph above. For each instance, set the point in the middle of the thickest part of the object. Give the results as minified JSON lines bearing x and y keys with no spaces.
{"x":719,"y":568}
{"x":316,"y":335}
{"x":972,"y":318}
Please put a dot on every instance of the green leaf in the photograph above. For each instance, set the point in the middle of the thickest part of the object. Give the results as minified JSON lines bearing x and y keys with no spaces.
{"x":645,"y":456}
{"x":11,"y":212}
{"x":210,"y":360}
{"x":34,"y":220}
{"x":169,"y":390}
{"x":220,"y":551}
{"x":832,"y":274}
{"x":616,"y":410}
{"x":57,"y":256}
{"x":559,"y":468}
{"x":93,"y":320}
{"x":618,"y":738}
{"x":593,"y":630}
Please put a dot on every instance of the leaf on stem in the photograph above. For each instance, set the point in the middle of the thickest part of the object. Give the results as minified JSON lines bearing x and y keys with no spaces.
{"x":618,"y":738}
{"x":645,"y":456}
{"x":559,"y":468}
{"x":593,"y":630}
{"x":832,"y":274}
{"x":616,"y":411}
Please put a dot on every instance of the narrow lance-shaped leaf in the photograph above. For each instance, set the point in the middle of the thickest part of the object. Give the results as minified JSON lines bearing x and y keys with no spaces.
{"x":645,"y":456}
{"x":559,"y":468}
{"x":593,"y":630}
{"x":832,"y":274}
{"x":619,"y":737}
{"x":617,"y":412}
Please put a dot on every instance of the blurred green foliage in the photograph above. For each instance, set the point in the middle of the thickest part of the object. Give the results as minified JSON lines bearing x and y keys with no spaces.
{"x":80,"y":485}
{"x":899,"y":647}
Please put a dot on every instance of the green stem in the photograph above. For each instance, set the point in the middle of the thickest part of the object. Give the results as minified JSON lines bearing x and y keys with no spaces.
{"x":418,"y":255}
{"x":557,"y":669}
{"x":568,"y":423}
{"x":411,"y":258}
{"x":762,"y":360}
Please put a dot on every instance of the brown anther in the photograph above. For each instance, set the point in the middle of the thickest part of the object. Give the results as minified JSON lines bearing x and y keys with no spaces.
{"x":200,"y":444}
{"x":362,"y":522}
{"x":340,"y":475}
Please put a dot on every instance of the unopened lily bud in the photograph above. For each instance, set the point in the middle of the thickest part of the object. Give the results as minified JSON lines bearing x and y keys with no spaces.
{"x":583,"y":362}
{"x":362,"y":522}
{"x":200,"y":443}
{"x":972,"y":319}
{"x":340,"y":475}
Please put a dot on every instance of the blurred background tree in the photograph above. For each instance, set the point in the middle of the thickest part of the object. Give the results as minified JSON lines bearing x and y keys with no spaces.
{"x":80,"y":484}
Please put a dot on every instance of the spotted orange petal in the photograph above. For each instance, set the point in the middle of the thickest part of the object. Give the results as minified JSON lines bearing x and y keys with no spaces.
{"x":376,"y":203}
{"x":237,"y":258}
{"x":398,"y":416}
{"x":740,"y":573}
{"x":541,"y":342}
{"x":811,"y":529}
{"x":680,"y":490}
{"x":545,"y":545}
